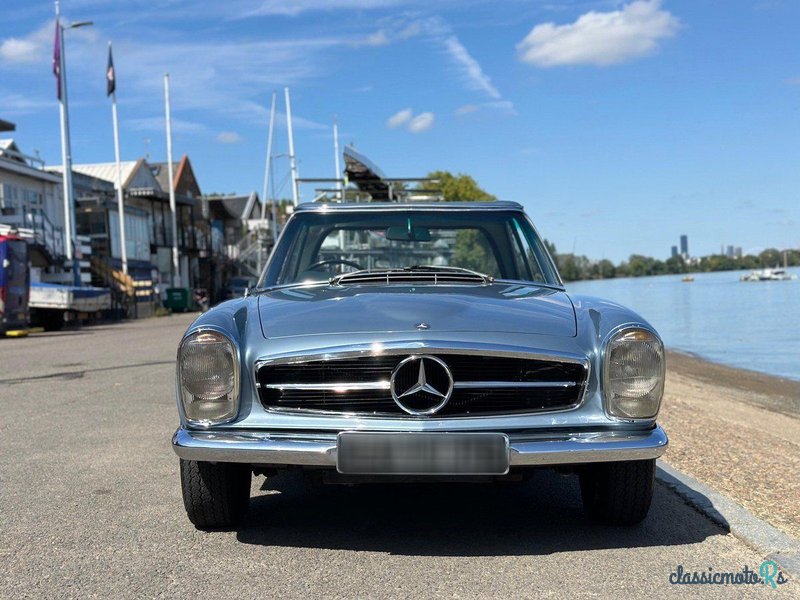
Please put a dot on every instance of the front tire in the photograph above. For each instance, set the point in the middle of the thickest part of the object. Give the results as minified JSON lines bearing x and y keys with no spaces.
{"x":618,"y":493}
{"x":215,"y":494}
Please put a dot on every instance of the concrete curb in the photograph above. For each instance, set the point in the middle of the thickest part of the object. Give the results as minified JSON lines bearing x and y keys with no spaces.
{"x":756,"y":533}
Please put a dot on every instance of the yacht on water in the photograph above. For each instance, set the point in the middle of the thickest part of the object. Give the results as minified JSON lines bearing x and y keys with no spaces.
{"x":776,"y":274}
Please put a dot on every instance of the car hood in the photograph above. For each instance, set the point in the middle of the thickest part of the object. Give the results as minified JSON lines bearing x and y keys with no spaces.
{"x":499,"y":307}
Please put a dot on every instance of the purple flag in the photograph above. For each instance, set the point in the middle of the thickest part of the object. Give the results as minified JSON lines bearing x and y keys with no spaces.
{"x":57,"y":59}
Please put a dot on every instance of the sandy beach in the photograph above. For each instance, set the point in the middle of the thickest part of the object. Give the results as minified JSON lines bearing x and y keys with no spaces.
{"x":738,"y":431}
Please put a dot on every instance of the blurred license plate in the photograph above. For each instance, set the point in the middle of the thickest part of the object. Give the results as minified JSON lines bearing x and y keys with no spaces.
{"x":367,"y":453}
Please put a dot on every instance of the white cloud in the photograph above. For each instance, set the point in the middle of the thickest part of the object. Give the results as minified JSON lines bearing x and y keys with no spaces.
{"x":17,"y":50}
{"x":295,"y":7}
{"x":30,"y":48}
{"x":229,"y":137}
{"x":600,"y":38}
{"x":415,"y":124}
{"x":23,"y":104}
{"x":422,"y":122}
{"x":470,"y":69}
{"x":466,"y":109}
{"x":379,"y":38}
{"x":399,"y":118}
{"x":37,"y":46}
{"x":159,"y":124}
{"x":299,"y":122}
{"x":503,"y":106}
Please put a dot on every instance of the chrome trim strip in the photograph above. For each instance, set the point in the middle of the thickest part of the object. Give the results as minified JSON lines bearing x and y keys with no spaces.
{"x":488,"y":385}
{"x":329,"y":387}
{"x":261,"y":447}
{"x":385,"y":385}
{"x":420,"y":347}
{"x":497,"y":205}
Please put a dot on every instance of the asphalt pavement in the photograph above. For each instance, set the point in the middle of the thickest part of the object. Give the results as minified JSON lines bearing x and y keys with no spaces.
{"x":90,"y":506}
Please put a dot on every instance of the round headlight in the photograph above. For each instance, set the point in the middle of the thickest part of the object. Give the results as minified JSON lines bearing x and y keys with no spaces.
{"x":208,"y":377}
{"x":634,"y":374}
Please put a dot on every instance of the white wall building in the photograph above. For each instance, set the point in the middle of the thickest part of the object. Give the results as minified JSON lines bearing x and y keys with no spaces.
{"x":31,"y":202}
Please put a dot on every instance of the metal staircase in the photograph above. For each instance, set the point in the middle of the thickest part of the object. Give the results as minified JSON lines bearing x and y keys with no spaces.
{"x":35,"y":227}
{"x":251,"y":252}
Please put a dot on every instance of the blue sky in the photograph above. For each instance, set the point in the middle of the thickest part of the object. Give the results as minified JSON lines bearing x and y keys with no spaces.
{"x":619,"y":125}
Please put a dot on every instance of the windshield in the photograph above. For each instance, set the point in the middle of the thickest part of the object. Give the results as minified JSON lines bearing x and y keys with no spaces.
{"x":319,"y":245}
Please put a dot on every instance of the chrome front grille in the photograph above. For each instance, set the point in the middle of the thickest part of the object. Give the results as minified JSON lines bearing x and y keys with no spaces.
{"x":482,"y":384}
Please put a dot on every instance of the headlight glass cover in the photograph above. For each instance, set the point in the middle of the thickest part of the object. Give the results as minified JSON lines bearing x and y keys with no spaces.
{"x":208,"y":378}
{"x":634,"y":374}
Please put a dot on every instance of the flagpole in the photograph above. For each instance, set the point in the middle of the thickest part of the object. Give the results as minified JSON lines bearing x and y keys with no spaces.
{"x":292,"y":161}
{"x":267,"y":169}
{"x":176,"y":274}
{"x":66,"y":154}
{"x":336,"y":158}
{"x":120,"y":199}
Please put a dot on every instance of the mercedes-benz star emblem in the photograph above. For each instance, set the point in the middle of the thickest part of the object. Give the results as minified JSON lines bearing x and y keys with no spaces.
{"x":421,"y":385}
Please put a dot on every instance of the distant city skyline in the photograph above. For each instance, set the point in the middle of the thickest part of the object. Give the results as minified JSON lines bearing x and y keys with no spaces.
{"x":615,"y":124}
{"x":729,"y":250}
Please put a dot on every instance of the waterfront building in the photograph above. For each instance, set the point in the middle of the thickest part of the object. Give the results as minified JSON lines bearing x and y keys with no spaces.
{"x":148,"y":228}
{"x":685,"y":245}
{"x":31,"y":204}
{"x":239,"y":238}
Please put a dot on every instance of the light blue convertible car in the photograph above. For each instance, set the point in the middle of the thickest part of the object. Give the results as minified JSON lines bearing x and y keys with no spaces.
{"x":392,"y":341}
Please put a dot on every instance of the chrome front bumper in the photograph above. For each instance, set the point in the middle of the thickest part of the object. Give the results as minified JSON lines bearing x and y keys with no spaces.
{"x":286,"y":448}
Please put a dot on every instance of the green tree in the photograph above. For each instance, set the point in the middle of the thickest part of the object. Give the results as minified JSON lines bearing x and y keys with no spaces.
{"x":606,"y":269}
{"x":675,"y":264}
{"x":770,"y":258}
{"x":471,"y":250}
{"x":551,"y":247}
{"x":460,"y":188}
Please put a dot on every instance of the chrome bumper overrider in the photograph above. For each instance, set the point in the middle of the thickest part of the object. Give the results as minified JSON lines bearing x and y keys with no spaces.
{"x":273,"y":448}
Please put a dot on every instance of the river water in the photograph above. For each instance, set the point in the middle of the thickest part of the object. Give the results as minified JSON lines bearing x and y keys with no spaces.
{"x":749,"y":325}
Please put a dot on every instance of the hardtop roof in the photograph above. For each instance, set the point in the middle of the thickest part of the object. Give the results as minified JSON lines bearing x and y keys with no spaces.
{"x":406,"y":206}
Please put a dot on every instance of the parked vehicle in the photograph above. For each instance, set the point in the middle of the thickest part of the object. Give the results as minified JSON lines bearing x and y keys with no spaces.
{"x":237,"y":286}
{"x":53,"y":305}
{"x":405,"y":340}
{"x":200,"y":298}
{"x":14,"y":284}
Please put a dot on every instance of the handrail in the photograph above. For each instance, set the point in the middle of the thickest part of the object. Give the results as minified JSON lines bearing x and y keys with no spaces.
{"x":32,"y":161}
{"x":45,"y":233}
